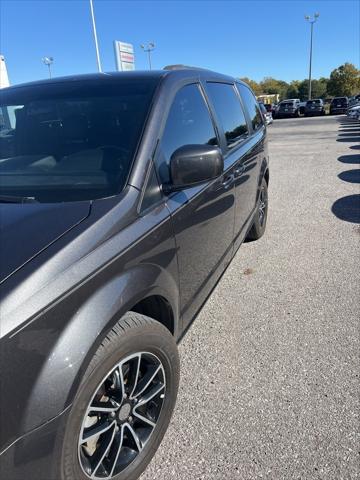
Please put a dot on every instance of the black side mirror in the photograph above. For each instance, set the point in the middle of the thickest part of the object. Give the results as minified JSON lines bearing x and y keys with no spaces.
{"x":194,"y":164}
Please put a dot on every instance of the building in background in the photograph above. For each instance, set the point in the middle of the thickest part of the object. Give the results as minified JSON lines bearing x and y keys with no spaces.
{"x":4,"y":79}
{"x":269,"y":98}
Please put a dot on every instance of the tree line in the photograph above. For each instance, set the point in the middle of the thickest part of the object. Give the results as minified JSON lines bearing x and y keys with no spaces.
{"x":343,"y":81}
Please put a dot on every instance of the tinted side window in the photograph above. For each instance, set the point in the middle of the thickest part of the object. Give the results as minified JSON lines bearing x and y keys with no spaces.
{"x":188,"y":122}
{"x":230,"y":112}
{"x":251,"y":106}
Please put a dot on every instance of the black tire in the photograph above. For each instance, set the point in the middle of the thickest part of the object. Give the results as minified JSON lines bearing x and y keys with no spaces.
{"x":259,"y":225}
{"x":132,"y":334}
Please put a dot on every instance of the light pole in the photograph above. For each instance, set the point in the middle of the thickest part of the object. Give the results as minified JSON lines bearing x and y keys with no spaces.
{"x":95,"y":36}
{"x":311,"y":21}
{"x":148,"y":48}
{"x":48,"y":61}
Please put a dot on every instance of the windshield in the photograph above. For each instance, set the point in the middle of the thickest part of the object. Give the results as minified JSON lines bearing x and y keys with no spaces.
{"x":70,"y":141}
{"x":340,"y":100}
{"x":313,"y":102}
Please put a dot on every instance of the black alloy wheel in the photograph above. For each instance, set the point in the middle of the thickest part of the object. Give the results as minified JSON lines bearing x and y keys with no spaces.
{"x":124,"y":405}
{"x":259,"y":224}
{"x":122,"y":415}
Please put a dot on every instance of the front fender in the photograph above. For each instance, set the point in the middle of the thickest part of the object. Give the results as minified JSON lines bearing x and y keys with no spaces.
{"x":46,"y":359}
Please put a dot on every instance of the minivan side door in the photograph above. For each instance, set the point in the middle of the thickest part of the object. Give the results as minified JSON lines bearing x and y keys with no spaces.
{"x":203,"y":215}
{"x":256,"y":154}
{"x":239,"y":151}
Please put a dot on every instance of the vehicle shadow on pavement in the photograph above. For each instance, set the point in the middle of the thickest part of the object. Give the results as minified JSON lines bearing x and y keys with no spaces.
{"x":350,"y":159}
{"x":351,"y":176}
{"x":349,"y":139}
{"x":349,"y":134}
{"x":347,"y":208}
{"x":349,"y":130}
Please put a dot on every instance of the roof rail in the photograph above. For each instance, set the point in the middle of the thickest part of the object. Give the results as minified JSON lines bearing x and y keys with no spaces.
{"x":182,"y":67}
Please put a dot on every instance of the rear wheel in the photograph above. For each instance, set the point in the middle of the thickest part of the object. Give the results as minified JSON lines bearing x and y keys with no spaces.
{"x":259,"y":225}
{"x":124,"y":404}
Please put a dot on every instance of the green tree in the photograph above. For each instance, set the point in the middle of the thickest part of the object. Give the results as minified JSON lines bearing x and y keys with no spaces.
{"x":255,"y":87}
{"x":293,"y":89}
{"x":318,"y":88}
{"x":344,"y":80}
{"x":272,"y":85}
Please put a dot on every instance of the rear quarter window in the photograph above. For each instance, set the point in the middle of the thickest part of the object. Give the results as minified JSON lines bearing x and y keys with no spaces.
{"x":229,"y":111}
{"x":251,"y":105}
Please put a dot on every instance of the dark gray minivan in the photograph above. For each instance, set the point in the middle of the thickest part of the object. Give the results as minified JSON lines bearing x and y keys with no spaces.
{"x":123,"y":198}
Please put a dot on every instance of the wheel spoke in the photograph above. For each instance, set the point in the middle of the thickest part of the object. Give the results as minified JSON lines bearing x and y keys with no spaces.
{"x":105,"y":452}
{"x":144,"y":419}
{"x":119,"y":381}
{"x":96,"y":430}
{"x":136,"y":376}
{"x":137,"y":440}
{"x":151,"y":394}
{"x":146,"y":381}
{"x":104,"y":407}
{"x":121,"y":440}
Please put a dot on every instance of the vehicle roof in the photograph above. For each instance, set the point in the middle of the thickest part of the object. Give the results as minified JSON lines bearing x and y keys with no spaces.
{"x":180,"y":72}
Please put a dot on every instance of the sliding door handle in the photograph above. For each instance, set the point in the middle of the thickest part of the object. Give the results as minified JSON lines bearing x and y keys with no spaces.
{"x":239,"y":170}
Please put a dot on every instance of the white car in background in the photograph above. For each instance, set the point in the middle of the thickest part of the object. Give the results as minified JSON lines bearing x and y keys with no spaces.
{"x":267,"y":115}
{"x":354,"y":112}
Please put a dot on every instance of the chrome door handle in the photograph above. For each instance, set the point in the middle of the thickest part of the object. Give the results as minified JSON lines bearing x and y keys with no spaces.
{"x":239,"y":170}
{"x":229,"y":180}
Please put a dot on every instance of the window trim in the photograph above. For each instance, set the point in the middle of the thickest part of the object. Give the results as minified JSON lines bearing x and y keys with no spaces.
{"x":226,"y":150}
{"x":254,"y":132}
{"x":200,"y":87}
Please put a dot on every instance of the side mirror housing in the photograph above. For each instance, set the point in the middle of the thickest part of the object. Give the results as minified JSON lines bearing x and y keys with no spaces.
{"x":191,"y":165}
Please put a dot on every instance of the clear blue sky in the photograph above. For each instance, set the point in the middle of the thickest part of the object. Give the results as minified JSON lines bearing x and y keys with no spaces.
{"x":240,"y":38}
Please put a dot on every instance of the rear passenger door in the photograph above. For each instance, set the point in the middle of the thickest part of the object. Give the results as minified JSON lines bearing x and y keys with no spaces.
{"x":238,"y":150}
{"x":203,"y":215}
{"x":254,"y":155}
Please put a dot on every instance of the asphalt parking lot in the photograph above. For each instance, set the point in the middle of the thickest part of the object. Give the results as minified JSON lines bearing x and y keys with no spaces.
{"x":270,"y":368}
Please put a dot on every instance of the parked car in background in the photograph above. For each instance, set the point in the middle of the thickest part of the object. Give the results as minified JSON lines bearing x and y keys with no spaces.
{"x":275,"y":108}
{"x":354,"y":112}
{"x":266,"y":114}
{"x":314,"y":107}
{"x":354,"y":100}
{"x":339,"y":105}
{"x":302,"y":108}
{"x":124,"y":198}
{"x":288,"y":108}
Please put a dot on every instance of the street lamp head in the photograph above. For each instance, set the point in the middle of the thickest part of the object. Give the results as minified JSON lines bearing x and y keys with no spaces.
{"x":48,"y":60}
{"x":317,"y":15}
{"x":152,"y":45}
{"x":307,"y":17}
{"x":142,"y":46}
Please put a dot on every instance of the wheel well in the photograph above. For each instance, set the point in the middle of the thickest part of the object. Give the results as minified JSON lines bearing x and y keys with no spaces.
{"x":266,"y":176}
{"x":159,"y":309}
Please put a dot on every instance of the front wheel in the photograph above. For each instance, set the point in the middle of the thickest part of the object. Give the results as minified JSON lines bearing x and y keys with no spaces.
{"x":259,"y":225}
{"x":124,"y":404}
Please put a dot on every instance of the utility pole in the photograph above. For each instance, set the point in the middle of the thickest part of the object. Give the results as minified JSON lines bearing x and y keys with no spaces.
{"x":148,"y":49}
{"x":48,"y":61}
{"x":311,"y":21}
{"x":95,"y":36}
